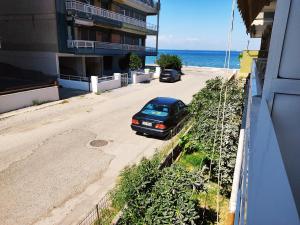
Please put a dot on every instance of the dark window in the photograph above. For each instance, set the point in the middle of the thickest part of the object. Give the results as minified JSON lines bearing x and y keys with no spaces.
{"x":181,"y":105}
{"x":107,"y":62}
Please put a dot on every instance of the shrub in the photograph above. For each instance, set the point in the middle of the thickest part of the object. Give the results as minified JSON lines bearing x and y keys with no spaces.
{"x":135,"y":62}
{"x":170,"y":62}
{"x":135,"y":182}
{"x":169,"y":201}
{"x":204,"y":109}
{"x":173,"y":199}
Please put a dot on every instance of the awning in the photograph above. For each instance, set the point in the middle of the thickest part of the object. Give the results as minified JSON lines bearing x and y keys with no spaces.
{"x":250,"y":9}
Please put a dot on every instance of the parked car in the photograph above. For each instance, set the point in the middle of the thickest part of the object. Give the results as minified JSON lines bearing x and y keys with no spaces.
{"x":159,"y":116}
{"x":170,"y":75}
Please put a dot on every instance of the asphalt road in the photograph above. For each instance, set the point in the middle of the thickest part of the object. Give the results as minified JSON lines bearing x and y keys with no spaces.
{"x":49,"y":173}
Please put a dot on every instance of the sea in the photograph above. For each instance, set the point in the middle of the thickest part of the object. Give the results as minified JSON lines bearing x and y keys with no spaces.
{"x":201,"y":58}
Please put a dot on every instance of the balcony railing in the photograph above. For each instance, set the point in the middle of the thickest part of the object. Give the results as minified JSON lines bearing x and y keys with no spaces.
{"x":108,"y":45}
{"x":93,"y":10}
{"x":258,"y":74}
{"x":148,"y":5}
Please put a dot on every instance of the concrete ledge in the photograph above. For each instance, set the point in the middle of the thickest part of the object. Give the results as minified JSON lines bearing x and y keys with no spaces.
{"x":27,"y":98}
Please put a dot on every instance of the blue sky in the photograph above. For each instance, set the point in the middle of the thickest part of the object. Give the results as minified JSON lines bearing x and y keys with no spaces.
{"x":199,"y":25}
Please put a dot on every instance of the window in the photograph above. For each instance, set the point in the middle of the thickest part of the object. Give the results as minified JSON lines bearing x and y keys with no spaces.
{"x":156,"y":110}
{"x":181,"y":105}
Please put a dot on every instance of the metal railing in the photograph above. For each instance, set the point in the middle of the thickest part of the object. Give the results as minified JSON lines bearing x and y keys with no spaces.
{"x":93,"y":10}
{"x":105,"y":78}
{"x":95,"y":215}
{"x":108,"y":45}
{"x":150,"y":5}
{"x":258,"y":75}
{"x":73,"y":77}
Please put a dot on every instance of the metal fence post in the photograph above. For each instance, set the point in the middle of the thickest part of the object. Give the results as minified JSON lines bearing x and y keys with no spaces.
{"x":98,"y":215}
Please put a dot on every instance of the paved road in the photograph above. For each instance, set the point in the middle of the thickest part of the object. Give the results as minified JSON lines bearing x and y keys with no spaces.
{"x":49,"y":174}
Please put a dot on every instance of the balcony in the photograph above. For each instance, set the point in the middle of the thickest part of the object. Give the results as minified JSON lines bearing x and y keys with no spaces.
{"x":151,"y":7}
{"x":106,"y":14}
{"x":97,"y":47}
{"x":258,"y":74}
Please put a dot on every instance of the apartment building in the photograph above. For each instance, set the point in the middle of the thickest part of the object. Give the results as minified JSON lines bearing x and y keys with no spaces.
{"x":267,"y":177}
{"x":77,"y":38}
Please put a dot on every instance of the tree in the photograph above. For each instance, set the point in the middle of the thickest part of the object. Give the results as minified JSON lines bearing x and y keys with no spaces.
{"x":135,"y":62}
{"x":167,"y":61}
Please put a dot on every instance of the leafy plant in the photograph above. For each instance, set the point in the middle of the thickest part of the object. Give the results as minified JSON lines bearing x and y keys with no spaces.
{"x":204,"y":109}
{"x":135,"y":182}
{"x":167,"y":61}
{"x":135,"y":62}
{"x":170,"y":201}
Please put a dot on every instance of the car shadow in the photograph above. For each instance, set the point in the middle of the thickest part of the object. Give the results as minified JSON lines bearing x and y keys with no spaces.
{"x":153,"y":137}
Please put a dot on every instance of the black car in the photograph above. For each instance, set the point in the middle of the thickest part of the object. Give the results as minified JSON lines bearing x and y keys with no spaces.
{"x":159,"y":116}
{"x":170,"y":75}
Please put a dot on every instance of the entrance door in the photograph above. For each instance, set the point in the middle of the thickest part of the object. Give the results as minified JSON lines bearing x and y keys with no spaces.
{"x":124,"y":79}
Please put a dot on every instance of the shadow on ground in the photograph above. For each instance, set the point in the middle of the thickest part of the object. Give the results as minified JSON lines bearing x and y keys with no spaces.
{"x":65,"y":93}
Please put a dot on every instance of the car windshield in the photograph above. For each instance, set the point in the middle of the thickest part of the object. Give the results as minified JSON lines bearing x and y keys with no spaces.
{"x":156,"y":110}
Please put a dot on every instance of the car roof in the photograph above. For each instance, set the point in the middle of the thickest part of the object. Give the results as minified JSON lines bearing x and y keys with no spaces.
{"x":164,"y":100}
{"x":169,"y":70}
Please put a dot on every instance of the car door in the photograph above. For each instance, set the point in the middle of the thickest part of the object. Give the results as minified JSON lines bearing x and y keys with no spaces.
{"x":177,"y":113}
{"x":183,"y":109}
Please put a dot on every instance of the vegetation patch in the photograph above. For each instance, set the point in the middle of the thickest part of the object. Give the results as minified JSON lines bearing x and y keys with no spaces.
{"x":135,"y":62}
{"x":167,"y":61}
{"x":205,"y":136}
{"x":186,"y":192}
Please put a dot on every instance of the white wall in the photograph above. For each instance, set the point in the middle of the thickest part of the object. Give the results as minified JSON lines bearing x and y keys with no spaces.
{"x":140,"y":78}
{"x":109,"y":85}
{"x":23,"y":99}
{"x":80,"y":85}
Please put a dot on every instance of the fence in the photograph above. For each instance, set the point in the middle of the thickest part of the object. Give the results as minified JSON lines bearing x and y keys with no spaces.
{"x":108,"y":45}
{"x":94,"y":216}
{"x":105,"y":78}
{"x":75,"y":78}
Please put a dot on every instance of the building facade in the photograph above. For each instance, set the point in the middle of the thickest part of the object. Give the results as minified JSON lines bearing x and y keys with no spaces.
{"x":269,"y":181}
{"x":79,"y":38}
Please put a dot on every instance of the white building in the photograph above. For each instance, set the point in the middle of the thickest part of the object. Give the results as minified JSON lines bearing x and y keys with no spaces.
{"x":269,"y":188}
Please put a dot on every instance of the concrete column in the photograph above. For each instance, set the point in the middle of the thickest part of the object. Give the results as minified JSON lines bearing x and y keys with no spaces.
{"x":117,"y":76}
{"x":94,"y":84}
{"x":83,"y":66}
{"x":134,"y":77}
{"x":157,"y":72}
{"x":147,"y":71}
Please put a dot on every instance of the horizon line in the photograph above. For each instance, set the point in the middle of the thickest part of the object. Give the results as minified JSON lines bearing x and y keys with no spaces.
{"x":165,"y":49}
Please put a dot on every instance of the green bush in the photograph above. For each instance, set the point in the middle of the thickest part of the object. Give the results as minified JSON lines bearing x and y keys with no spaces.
{"x":135,"y":182}
{"x":166,"y":61}
{"x":135,"y":62}
{"x":170,"y":201}
{"x":204,"y":110}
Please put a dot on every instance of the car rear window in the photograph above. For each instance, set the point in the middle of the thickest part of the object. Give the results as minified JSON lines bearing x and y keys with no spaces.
{"x":156,"y":110}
